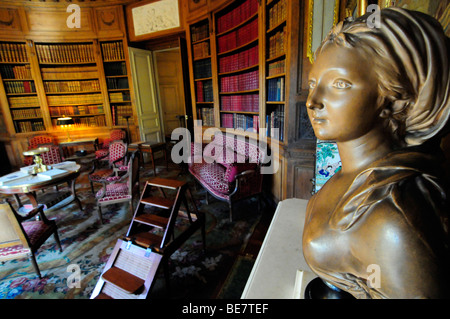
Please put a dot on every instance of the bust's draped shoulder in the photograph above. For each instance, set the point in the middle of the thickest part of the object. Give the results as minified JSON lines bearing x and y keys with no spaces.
{"x":408,"y":179}
{"x":403,"y":192}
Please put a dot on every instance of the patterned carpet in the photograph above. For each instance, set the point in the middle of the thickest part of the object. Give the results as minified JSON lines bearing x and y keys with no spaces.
{"x":88,"y":244}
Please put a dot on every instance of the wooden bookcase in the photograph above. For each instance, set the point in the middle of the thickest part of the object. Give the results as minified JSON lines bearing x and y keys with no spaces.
{"x":20,"y":88}
{"x":49,"y":69}
{"x":243,"y":56}
{"x":70,"y":78}
{"x":237,"y":56}
{"x":275,"y":67}
{"x":117,"y":82}
{"x":202,"y":72}
{"x":263,"y":41}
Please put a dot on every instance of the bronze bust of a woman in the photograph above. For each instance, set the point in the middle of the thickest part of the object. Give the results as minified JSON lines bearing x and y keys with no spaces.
{"x":383,"y":95}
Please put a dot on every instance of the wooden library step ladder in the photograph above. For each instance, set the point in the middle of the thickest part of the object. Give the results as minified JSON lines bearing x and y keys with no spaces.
{"x":135,"y":260}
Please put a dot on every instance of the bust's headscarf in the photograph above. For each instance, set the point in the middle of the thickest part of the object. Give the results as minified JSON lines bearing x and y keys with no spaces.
{"x":411,"y":57}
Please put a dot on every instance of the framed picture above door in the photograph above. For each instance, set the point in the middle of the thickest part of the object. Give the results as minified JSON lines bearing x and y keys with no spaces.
{"x":151,"y":19}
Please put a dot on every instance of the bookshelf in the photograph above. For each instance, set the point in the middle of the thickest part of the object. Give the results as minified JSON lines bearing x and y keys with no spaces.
{"x":226,"y":61}
{"x":117,"y":82}
{"x":71,"y":82}
{"x":202,"y":70}
{"x":275,"y":64}
{"x":237,"y":43}
{"x":19,"y":87}
{"x":258,"y":72}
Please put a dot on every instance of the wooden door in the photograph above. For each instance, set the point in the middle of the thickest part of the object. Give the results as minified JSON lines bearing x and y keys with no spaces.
{"x":171,"y":91}
{"x":147,"y":105}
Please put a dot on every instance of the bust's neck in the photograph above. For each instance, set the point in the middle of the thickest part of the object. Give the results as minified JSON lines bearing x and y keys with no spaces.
{"x":357,"y":154}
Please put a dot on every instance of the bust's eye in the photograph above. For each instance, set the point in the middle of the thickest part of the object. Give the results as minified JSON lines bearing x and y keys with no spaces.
{"x":341,"y":84}
{"x":311,"y":84}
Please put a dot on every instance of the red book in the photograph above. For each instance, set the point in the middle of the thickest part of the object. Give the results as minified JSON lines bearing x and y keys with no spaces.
{"x":26,"y":87}
{"x":199,"y":91}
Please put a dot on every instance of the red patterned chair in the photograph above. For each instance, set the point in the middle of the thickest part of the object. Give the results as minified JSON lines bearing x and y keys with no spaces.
{"x":229,"y":168}
{"x":117,"y":163}
{"x":120,"y":189}
{"x":115,"y":135}
{"x":53,"y":156}
{"x":21,"y":237}
{"x":35,"y":142}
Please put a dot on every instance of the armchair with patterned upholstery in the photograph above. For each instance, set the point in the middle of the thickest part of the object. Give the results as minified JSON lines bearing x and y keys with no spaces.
{"x":35,"y":142}
{"x":115,"y":135}
{"x":228,"y":168}
{"x":119,"y":189}
{"x":116,"y":159}
{"x":53,"y":156}
{"x":21,"y":236}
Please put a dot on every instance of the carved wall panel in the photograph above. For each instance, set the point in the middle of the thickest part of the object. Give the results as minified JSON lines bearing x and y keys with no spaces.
{"x":300,"y":172}
{"x":44,"y":22}
{"x":109,"y":22}
{"x":10,"y":22}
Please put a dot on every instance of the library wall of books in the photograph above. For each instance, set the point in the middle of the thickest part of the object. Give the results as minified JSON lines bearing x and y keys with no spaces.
{"x":227,"y":57}
{"x":70,"y":79}
{"x":246,"y":65}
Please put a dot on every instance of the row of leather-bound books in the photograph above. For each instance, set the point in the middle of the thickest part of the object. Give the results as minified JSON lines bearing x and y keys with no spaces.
{"x":13,"y":52}
{"x":65,"y":53}
{"x":76,"y":110}
{"x":112,"y":51}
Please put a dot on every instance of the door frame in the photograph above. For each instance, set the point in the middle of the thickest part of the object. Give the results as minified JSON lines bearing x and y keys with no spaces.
{"x":154,"y":89}
{"x":187,"y":103}
{"x":157,"y":88}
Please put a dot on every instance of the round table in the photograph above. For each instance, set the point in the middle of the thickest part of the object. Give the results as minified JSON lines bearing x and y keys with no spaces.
{"x":27,"y":184}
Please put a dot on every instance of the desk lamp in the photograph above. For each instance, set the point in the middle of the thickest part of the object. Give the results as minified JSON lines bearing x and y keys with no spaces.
{"x":65,"y":123}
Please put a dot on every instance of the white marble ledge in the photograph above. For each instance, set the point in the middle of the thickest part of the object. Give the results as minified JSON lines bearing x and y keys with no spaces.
{"x":280,"y":259}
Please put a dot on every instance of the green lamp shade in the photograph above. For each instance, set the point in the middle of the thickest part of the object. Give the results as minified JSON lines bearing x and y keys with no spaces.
{"x":64,"y":121}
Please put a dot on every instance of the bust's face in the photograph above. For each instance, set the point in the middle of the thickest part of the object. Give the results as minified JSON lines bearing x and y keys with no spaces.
{"x":343,"y":94}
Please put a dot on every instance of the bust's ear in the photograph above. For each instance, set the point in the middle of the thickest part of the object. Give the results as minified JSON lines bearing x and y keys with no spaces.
{"x":384,"y":106}
{"x":385,"y":113}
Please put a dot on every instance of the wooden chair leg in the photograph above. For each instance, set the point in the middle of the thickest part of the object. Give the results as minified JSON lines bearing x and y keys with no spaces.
{"x":35,"y":265}
{"x":58,"y":242}
{"x":74,"y":193}
{"x":100,"y":219}
{"x":230,"y":203}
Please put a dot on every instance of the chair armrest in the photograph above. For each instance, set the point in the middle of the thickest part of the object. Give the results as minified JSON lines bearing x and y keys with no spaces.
{"x":95,"y":162}
{"x":114,"y":178}
{"x":123,"y":158}
{"x":32,"y":213}
{"x":240,"y":179}
{"x":102,"y":157}
{"x":249,"y":171}
{"x":105,"y":143}
{"x":234,"y":169}
{"x":111,"y":180}
{"x":103,"y":182}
